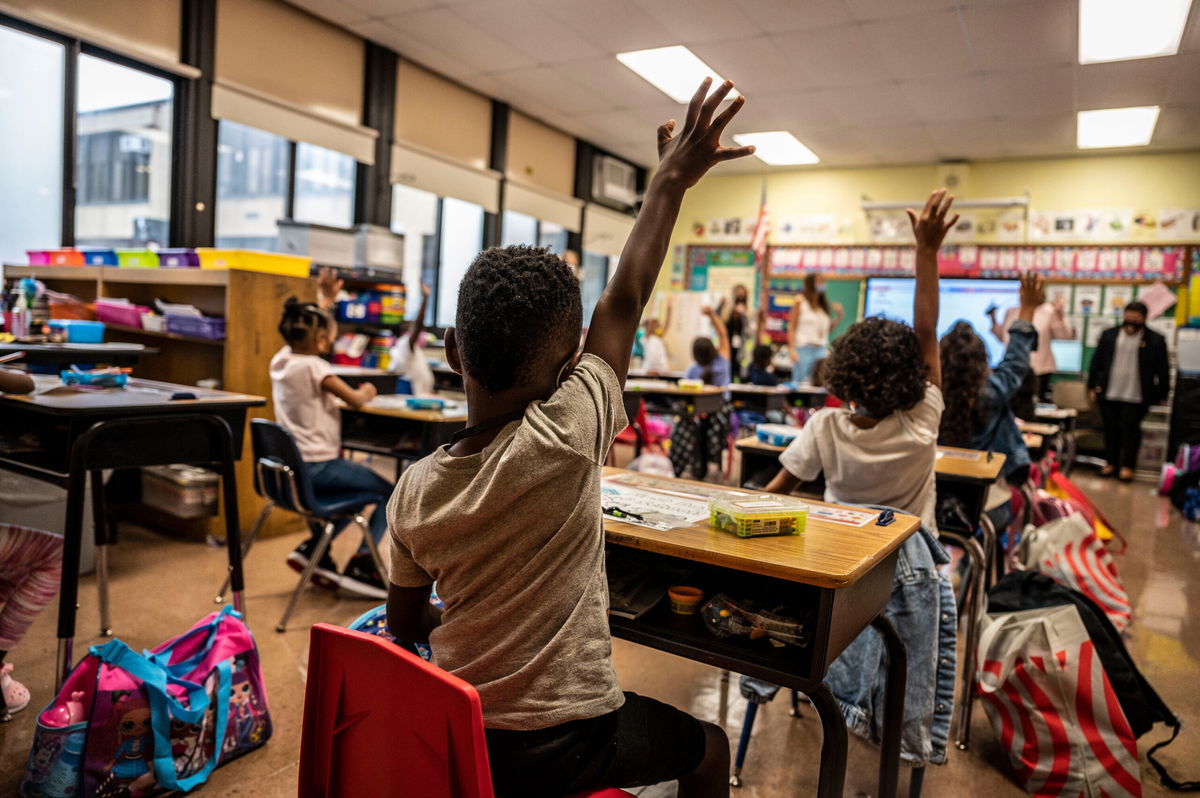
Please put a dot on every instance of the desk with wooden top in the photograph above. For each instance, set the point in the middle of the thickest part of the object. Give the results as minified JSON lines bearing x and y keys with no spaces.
{"x":664,"y":397}
{"x":383,"y":380}
{"x":396,"y":431}
{"x":64,"y":355}
{"x":447,"y":379}
{"x":1066,"y":419}
{"x":58,"y":434}
{"x":763,"y":398}
{"x":642,"y":374}
{"x":838,"y":577}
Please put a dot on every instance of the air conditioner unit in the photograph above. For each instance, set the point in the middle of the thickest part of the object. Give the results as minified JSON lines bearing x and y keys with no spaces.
{"x":614,"y":181}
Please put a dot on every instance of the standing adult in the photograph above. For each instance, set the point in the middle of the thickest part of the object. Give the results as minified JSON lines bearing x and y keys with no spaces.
{"x":1051,"y":323}
{"x":1129,"y":373}
{"x":737,"y":324}
{"x":812,"y":319}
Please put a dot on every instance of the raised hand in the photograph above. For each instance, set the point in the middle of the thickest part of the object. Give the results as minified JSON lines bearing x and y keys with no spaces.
{"x":930,"y":226}
{"x":684,"y":158}
{"x":1032,"y":289}
{"x":425,"y":290}
{"x":328,"y":287}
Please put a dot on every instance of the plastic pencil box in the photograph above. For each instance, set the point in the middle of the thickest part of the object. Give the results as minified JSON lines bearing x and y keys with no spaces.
{"x":423,"y":403}
{"x":101,"y":380}
{"x":754,"y":515}
{"x":776,"y":434}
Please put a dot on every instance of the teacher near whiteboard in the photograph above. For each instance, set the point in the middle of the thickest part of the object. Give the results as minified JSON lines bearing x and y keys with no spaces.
{"x":812,"y":319}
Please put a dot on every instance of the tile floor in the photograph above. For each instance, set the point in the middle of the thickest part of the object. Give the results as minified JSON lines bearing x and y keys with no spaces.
{"x":160,"y":586}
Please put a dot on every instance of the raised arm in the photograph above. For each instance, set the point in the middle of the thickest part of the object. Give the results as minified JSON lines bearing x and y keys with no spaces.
{"x":1008,"y":376}
{"x":723,"y":347}
{"x":329,"y":285}
{"x":418,"y":323}
{"x":839,"y":313}
{"x":665,"y":324}
{"x":684,"y":158}
{"x":930,"y":228}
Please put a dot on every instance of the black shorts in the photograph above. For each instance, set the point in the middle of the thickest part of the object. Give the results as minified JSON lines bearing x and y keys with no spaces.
{"x":643,"y":742}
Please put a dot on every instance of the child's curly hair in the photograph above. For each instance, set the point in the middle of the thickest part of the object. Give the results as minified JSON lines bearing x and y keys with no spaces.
{"x":877,"y":365}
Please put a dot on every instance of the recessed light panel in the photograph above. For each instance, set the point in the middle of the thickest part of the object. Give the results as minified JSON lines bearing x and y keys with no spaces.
{"x":777,"y":148}
{"x":1116,"y":127}
{"x":674,"y":70}
{"x":1120,"y":30}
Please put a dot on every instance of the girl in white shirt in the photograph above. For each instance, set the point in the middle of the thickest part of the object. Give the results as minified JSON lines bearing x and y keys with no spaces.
{"x":812,"y":320}
{"x":304,"y":388}
{"x":408,"y":355}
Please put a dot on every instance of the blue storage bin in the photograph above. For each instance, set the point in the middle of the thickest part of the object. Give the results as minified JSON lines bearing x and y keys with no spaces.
{"x":100,"y":257}
{"x":80,"y":332}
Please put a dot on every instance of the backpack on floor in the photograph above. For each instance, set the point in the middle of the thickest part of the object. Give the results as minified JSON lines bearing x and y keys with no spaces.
{"x":127,"y":724}
{"x":1060,"y":485}
{"x":1068,"y":551}
{"x":1105,"y":707}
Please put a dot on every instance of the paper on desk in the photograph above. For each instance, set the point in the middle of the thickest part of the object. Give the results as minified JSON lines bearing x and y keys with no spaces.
{"x":842,"y":515}
{"x":960,"y":455}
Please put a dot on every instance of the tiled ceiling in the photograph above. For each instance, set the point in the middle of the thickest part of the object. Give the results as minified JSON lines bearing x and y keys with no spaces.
{"x":861,"y":82}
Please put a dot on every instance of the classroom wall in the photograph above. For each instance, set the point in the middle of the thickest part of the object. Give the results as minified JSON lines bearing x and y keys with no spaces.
{"x":1151,"y":180}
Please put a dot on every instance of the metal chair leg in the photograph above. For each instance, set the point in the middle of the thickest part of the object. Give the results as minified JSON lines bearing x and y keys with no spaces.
{"x":743,"y":743}
{"x":966,"y":703}
{"x":372,"y":546}
{"x":794,"y":711}
{"x":254,"y":530}
{"x":101,"y":530}
{"x":916,"y":781}
{"x":992,"y":560}
{"x":314,"y":558}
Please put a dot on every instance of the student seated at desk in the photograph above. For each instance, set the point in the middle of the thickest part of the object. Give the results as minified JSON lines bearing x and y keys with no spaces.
{"x":699,"y":440}
{"x":304,"y":388}
{"x":760,"y":371}
{"x":654,"y":348}
{"x":507,"y":519}
{"x":977,"y":414}
{"x":882,"y":446}
{"x":408,"y":355}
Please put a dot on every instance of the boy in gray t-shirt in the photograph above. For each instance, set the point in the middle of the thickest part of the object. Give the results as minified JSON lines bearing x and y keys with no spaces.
{"x":507,"y":520}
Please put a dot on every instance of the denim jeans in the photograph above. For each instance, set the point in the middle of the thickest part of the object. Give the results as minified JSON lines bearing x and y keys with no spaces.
{"x":333,"y":479}
{"x":806,"y":358}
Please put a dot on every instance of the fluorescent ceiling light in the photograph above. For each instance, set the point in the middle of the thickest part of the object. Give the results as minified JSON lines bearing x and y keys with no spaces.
{"x":777,"y":148}
{"x":1116,"y":127}
{"x":675,"y":70}
{"x":1120,"y":30}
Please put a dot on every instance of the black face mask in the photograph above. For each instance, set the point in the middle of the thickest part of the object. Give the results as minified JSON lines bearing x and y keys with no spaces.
{"x":1133,"y":327}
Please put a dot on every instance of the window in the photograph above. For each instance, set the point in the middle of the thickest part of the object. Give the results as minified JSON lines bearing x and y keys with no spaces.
{"x":517,"y":228}
{"x":596,"y":269}
{"x":552,"y":237}
{"x":252,"y":185}
{"x":31,"y":149}
{"x":462,"y":238}
{"x":324,"y":186}
{"x":415,"y":216}
{"x":123,"y":155}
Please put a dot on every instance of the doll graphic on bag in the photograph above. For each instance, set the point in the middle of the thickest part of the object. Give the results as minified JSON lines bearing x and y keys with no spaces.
{"x":130,"y":772}
{"x":246,"y":722}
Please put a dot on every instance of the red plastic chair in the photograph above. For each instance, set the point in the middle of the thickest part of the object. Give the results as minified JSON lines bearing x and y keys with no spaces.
{"x":379,"y":721}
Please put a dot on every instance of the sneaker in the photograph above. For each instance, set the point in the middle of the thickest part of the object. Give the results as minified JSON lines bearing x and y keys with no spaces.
{"x":362,"y":578}
{"x":15,"y":694}
{"x":324,"y":575}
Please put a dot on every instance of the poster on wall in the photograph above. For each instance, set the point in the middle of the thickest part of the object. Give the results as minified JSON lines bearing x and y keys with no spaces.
{"x":1143,"y":225}
{"x":1093,"y":329}
{"x":1116,"y":297}
{"x":1087,"y":300}
{"x":964,"y":230}
{"x":1179,"y":224}
{"x":816,"y":228}
{"x":1010,"y":225}
{"x":1059,"y":294}
{"x":889,"y":227}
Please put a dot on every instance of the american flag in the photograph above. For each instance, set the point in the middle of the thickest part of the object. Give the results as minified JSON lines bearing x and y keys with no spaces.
{"x":762,"y":228}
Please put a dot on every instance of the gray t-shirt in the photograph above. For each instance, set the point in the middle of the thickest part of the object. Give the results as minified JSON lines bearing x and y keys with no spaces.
{"x":1124,"y":377}
{"x":513,"y":537}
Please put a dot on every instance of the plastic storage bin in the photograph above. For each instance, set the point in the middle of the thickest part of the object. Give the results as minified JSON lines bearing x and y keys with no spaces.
{"x":99,"y":257}
{"x":197,"y":326}
{"x":79,"y":331}
{"x":178,"y":259}
{"x":749,"y":516}
{"x":137,"y":259}
{"x":55,"y":257}
{"x":252,"y":261}
{"x":125,"y":314}
{"x":152,"y":322}
{"x":181,"y":490}
{"x":776,"y":434}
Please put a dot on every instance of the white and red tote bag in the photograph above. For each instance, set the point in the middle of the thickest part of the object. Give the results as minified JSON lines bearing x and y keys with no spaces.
{"x":1068,"y":551}
{"x":1053,"y":708}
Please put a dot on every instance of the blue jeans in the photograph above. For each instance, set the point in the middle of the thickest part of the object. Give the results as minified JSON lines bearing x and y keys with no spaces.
{"x":807,"y":357}
{"x":334,"y":479}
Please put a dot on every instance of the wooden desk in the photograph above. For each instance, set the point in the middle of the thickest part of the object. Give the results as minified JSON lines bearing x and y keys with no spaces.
{"x":447,"y":379}
{"x":398,"y":431}
{"x":662,"y":397}
{"x":1037,"y":428}
{"x":64,"y":355}
{"x":642,"y":374}
{"x":837,"y":577}
{"x":53,"y":432}
{"x":383,"y":380}
{"x":781,"y":397}
{"x":1035,"y":444}
{"x":1066,"y":419}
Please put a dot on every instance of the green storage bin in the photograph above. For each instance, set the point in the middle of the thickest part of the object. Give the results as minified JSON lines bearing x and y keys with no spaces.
{"x":137,"y":259}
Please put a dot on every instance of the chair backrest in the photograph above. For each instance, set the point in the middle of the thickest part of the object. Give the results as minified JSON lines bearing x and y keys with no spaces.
{"x":279,"y":473}
{"x":381,"y":721}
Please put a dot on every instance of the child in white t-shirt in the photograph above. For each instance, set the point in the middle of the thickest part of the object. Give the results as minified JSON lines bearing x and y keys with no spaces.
{"x":654,"y":348}
{"x":880,"y":447}
{"x":408,"y":355}
{"x":303,"y":388}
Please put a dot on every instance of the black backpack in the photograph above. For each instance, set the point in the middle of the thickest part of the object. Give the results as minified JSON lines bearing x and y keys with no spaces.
{"x":1143,"y":707}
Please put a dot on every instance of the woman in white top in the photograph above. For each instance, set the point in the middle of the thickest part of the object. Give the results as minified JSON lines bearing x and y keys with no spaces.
{"x":813,"y":319}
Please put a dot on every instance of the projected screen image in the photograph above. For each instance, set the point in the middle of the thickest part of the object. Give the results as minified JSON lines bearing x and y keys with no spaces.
{"x":1068,"y":355}
{"x":967,"y":300}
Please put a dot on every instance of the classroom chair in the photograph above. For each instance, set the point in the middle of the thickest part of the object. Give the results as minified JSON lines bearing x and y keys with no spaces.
{"x":281,"y":479}
{"x":381,"y":721}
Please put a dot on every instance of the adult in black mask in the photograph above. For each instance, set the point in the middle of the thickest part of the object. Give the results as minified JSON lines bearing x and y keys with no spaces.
{"x":1129,"y":373}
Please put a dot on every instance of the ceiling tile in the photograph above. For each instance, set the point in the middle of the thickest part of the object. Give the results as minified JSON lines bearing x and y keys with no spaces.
{"x":389,"y":8}
{"x":780,"y":16}
{"x":882,"y":9}
{"x":335,"y":11}
{"x":870,"y":105}
{"x":951,"y":99}
{"x":700,"y":20}
{"x":921,"y":46}
{"x":1027,"y":33}
{"x":449,"y":31}
{"x":547,"y":41}
{"x":756,"y":65}
{"x":551,"y":89}
{"x":798,"y":112}
{"x":834,"y":57}
{"x":613,"y":85}
{"x":1178,"y":127}
{"x":1123,"y":83}
{"x":1185,"y":86}
{"x":966,"y":139}
{"x":412,"y":48}
{"x":1038,"y":135}
{"x":613,"y":25}
{"x":1033,"y":92}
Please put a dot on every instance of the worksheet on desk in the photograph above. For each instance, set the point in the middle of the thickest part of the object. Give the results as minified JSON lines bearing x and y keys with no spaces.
{"x":661,"y":502}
